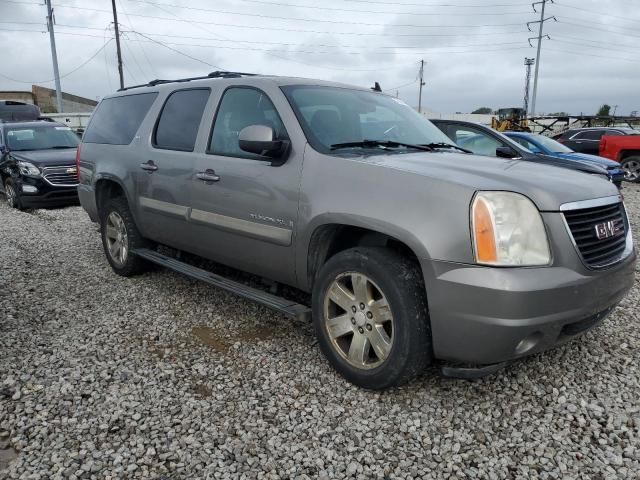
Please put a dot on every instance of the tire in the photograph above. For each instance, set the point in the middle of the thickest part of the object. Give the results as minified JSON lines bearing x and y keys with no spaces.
{"x":393,"y":343}
{"x":11,"y":194}
{"x":631,"y":167}
{"x":120,"y":236}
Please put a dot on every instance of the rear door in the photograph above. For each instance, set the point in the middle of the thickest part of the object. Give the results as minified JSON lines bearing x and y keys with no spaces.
{"x":246,"y":217}
{"x":586,"y":141}
{"x":165,"y":173}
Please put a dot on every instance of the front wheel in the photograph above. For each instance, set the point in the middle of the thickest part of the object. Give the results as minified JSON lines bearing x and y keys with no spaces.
{"x":11,"y":194}
{"x":631,"y":167}
{"x":370,"y":317}
{"x":120,"y":237}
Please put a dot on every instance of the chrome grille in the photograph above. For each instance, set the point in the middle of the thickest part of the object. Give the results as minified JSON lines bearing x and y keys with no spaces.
{"x":66,"y":175}
{"x":583,"y":224}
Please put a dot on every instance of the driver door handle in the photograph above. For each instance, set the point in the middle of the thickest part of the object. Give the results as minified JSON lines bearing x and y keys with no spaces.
{"x":149,"y":166}
{"x":207,"y":176}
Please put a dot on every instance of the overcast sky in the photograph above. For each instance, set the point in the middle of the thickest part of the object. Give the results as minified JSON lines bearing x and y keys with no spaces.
{"x":473,"y":50}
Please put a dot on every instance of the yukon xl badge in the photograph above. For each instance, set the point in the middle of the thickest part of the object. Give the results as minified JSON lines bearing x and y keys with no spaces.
{"x":606,"y":230}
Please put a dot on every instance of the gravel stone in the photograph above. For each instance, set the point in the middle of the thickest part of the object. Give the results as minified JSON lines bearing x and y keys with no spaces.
{"x":162,"y":377}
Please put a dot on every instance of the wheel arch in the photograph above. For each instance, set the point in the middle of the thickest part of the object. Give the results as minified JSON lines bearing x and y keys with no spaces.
{"x":624,"y":154}
{"x":107,"y":187}
{"x":328,"y":238}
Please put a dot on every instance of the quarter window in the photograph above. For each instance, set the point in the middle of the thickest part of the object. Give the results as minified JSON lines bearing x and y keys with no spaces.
{"x":179,"y":120}
{"x":589,"y":135}
{"x":241,"y":107}
{"x":117,"y":119}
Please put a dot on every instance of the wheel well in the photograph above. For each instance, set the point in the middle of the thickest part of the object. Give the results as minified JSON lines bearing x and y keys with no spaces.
{"x":629,"y":153}
{"x":329,"y":240}
{"x":106,"y":190}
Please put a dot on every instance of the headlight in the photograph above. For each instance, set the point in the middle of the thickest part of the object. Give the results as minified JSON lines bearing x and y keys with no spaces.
{"x":507,"y":230}
{"x":27,"y":168}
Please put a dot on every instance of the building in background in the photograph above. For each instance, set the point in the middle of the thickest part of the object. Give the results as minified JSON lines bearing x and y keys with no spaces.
{"x":45,"y":98}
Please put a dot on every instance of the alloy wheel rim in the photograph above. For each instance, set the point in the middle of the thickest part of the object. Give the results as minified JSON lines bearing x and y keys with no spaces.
{"x":117,"y":238}
{"x":358,"y":320}
{"x":631,"y":170}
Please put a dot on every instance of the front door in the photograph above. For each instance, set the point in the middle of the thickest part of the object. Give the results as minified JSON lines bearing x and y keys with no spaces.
{"x":244,"y":209}
{"x":164,"y":174}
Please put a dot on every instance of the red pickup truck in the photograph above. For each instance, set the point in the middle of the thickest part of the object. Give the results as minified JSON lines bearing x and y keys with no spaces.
{"x":626,"y":150}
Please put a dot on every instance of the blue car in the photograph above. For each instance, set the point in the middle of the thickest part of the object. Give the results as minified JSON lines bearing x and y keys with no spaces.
{"x":541,"y":145}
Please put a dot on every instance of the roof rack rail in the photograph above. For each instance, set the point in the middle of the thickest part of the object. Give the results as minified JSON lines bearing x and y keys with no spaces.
{"x":216,"y":74}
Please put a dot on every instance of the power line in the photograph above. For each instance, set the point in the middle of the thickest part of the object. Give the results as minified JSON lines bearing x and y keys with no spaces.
{"x":178,"y":51}
{"x":592,"y":27}
{"x":602,"y":14}
{"x":348,"y":22}
{"x":634,"y":60}
{"x":425,"y":4}
{"x":66,"y":74}
{"x":351,"y":10}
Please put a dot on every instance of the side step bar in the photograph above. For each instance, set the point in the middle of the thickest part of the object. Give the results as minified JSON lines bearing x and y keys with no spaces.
{"x":279,"y":304}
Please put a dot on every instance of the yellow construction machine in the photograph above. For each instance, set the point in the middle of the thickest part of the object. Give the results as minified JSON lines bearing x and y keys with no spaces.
{"x":511,"y":119}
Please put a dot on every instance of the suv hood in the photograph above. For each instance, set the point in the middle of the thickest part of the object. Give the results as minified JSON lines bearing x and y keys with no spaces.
{"x":47,"y":158}
{"x":547,"y":186}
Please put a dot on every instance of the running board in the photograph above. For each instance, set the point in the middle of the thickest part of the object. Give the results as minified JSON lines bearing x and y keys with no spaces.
{"x":279,"y":304}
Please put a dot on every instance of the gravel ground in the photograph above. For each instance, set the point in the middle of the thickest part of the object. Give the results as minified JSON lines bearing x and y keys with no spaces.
{"x":162,"y":377}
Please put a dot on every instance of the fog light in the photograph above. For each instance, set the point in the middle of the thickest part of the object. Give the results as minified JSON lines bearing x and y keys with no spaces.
{"x":528,"y":343}
{"x":29,"y":189}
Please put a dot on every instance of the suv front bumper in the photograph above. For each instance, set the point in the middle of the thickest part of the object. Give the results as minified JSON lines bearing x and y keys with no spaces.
{"x":35,"y":192}
{"x":482,"y":315}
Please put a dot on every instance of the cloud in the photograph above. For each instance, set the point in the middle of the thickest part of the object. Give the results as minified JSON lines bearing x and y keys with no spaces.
{"x":588,"y":61}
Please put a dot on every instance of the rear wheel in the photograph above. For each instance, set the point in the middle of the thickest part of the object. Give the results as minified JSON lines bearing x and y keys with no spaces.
{"x":120,"y":237}
{"x":370,"y":317}
{"x":631,"y":167}
{"x":11,"y":194}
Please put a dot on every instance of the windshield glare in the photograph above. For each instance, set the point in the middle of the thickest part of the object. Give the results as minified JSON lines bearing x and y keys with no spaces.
{"x":333,"y":115}
{"x":40,"y":138}
{"x":551,"y":145}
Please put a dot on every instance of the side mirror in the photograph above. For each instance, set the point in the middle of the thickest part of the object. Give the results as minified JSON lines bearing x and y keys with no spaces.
{"x":506,"y":152}
{"x":261,"y":140}
{"x":4,"y":149}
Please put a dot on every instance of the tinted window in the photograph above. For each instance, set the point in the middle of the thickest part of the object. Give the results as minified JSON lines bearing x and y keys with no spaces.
{"x":589,"y":135}
{"x":240,"y":108}
{"x":117,"y":119}
{"x":613,"y":133}
{"x":179,"y":120}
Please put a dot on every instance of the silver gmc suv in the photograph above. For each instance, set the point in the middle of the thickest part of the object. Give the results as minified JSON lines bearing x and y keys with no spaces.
{"x":414,"y":250}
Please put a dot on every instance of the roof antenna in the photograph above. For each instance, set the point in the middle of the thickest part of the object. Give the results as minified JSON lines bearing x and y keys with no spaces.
{"x":376,"y":87}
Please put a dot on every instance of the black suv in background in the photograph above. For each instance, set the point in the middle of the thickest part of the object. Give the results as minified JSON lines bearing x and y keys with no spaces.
{"x":37,"y":164}
{"x":587,"y":140}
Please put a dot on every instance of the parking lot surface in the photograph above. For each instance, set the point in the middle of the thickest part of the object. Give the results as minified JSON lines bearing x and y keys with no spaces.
{"x":159,"y":376}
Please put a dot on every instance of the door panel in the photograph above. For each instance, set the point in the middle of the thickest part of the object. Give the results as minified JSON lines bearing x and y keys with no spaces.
{"x":165,"y":174}
{"x":246,"y":216}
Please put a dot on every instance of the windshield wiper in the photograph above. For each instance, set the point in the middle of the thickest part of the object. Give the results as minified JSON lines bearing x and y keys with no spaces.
{"x":447,"y":145}
{"x":380,"y":143}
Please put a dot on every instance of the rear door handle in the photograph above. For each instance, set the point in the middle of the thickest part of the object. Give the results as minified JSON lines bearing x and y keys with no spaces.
{"x":149,"y":166}
{"x":207,"y":176}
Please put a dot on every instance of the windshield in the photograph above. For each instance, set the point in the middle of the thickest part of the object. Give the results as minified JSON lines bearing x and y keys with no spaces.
{"x":41,"y":138}
{"x":551,"y":145}
{"x":332,"y":116}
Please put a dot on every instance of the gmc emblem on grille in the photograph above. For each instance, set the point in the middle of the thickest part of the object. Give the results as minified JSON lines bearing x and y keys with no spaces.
{"x":71,"y":170}
{"x":606,"y":230}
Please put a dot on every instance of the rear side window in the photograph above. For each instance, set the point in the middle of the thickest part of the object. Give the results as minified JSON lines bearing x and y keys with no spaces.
{"x":589,"y":135}
{"x":117,"y":119}
{"x":177,"y":127}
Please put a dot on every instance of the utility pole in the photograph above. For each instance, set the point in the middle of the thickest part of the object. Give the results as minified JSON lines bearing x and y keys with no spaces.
{"x":54,"y":56}
{"x":528,"y":62}
{"x":421,"y":85}
{"x":115,"y":23}
{"x":539,"y":38}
